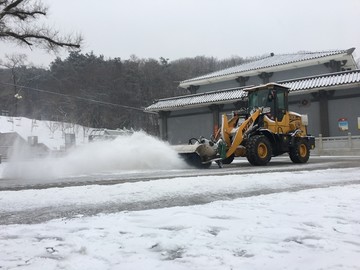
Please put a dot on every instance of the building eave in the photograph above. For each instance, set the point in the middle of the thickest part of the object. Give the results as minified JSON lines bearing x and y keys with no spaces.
{"x":331,"y":81}
{"x":346,"y":55}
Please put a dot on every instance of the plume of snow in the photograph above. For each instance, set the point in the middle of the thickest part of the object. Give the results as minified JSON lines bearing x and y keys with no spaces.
{"x":138,"y":151}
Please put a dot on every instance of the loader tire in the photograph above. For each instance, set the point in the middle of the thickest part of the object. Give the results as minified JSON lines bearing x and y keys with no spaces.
{"x":300,"y":153}
{"x":258,"y":150}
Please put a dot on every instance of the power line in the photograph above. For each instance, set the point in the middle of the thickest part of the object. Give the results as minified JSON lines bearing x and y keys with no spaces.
{"x":74,"y":97}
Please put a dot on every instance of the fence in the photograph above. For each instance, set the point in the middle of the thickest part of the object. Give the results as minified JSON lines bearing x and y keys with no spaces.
{"x":341,"y":145}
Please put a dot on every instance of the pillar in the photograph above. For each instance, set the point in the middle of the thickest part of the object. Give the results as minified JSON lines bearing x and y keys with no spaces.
{"x":215,"y":109}
{"x":323,"y":97}
{"x":164,"y":115}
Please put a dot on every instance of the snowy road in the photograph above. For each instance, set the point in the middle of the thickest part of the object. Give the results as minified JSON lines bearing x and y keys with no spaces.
{"x":305,"y":219}
{"x":42,"y":214}
{"x":241,"y":166}
{"x":40,"y":205}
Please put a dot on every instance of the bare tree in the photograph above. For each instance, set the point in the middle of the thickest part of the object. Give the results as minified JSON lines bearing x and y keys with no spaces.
{"x":19,"y":23}
{"x":14,"y":62}
{"x":52,"y":126}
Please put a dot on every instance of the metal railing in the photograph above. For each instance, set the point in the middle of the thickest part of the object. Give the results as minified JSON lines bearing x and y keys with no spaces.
{"x":340,"y":145}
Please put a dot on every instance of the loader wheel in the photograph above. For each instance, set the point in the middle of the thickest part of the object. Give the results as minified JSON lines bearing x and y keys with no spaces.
{"x":228,"y":160}
{"x":258,"y":150}
{"x":300,"y":153}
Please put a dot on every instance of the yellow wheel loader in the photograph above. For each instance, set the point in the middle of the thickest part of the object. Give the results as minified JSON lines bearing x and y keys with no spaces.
{"x":264,"y":130}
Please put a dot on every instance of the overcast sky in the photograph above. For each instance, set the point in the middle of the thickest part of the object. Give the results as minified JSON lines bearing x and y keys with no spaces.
{"x":186,"y":28}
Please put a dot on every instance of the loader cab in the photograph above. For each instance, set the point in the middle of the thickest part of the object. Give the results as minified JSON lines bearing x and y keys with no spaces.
{"x":273,"y":96}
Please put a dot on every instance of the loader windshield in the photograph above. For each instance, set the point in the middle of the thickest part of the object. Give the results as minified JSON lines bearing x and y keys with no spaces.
{"x":261,"y":98}
{"x":275,"y":99}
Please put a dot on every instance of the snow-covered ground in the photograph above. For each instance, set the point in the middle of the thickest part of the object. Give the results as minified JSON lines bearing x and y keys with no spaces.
{"x":309,"y":229}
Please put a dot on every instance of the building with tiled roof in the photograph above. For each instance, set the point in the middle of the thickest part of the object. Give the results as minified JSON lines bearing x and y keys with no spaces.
{"x":324,"y":85}
{"x":277,"y":64}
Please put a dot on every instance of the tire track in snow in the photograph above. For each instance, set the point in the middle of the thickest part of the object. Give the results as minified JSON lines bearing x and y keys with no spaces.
{"x":44,"y":214}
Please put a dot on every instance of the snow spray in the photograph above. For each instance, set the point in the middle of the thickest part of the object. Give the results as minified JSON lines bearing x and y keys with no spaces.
{"x":136,"y":152}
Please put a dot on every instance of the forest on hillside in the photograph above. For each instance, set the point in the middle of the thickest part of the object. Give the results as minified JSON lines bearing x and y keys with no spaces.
{"x":96,"y":91}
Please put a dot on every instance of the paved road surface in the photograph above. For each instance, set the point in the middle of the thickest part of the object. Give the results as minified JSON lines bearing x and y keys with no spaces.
{"x":278,"y":164}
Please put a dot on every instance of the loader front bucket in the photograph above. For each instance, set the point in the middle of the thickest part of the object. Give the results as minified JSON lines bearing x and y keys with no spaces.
{"x":196,"y":155}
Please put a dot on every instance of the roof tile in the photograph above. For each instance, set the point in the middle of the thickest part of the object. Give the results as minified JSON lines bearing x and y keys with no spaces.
{"x":270,"y":61}
{"x":234,"y":94}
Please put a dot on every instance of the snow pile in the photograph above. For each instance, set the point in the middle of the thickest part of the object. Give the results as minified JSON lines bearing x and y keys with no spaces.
{"x":138,"y":151}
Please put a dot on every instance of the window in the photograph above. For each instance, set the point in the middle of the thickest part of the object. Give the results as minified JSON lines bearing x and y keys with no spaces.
{"x":281,"y":103}
{"x":260,"y":99}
